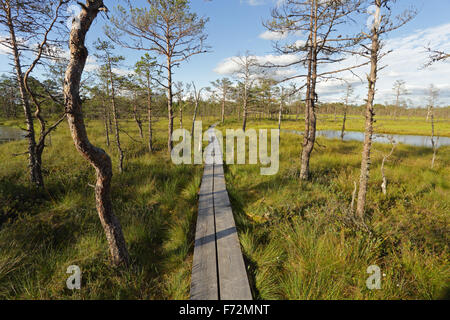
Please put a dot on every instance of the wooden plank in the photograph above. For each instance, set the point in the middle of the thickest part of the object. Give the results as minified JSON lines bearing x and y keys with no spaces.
{"x":204,"y":284}
{"x":233,"y":280}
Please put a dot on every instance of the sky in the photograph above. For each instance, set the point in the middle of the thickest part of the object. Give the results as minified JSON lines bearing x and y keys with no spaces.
{"x":236,"y":26}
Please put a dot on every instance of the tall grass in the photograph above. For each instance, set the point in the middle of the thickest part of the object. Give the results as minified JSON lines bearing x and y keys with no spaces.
{"x":297,"y":238}
{"x":43,"y":232}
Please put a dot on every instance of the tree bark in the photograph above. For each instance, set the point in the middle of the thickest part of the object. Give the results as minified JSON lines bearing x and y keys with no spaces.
{"x":34,"y":165}
{"x":244,"y":113}
{"x":310,"y":113}
{"x":181,"y":115}
{"x":115,"y":118}
{"x":433,"y":142}
{"x":106,"y":116}
{"x":137,"y":117}
{"x":149,"y":114}
{"x":97,"y":157}
{"x":223,"y":106}
{"x":365,"y":163}
{"x":280,"y":114}
{"x":194,"y":118}
{"x":347,"y":97}
{"x":343,"y":123}
{"x":169,"y":104}
{"x":383,"y":175}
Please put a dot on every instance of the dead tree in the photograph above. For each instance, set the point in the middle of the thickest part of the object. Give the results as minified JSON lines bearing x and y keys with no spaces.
{"x":436,"y":56}
{"x":382,"y":24}
{"x":27,"y":23}
{"x":109,"y":62}
{"x":223,"y":88}
{"x":385,"y":158}
{"x":348,"y":94}
{"x":280,"y":111}
{"x":433,"y":94}
{"x":179,"y":86}
{"x":145,"y":69}
{"x":399,"y":90}
{"x":247,"y":70}
{"x":165,"y":27}
{"x":197,"y":98}
{"x":97,"y":157}
{"x":98,"y":93}
{"x":325,"y":44}
{"x":132,"y":86}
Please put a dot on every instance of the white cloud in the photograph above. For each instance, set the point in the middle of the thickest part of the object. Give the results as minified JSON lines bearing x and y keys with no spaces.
{"x":254,"y":2}
{"x":405,"y":62}
{"x":278,"y":3}
{"x":271,"y":35}
{"x":3,"y":49}
{"x":230,"y":65}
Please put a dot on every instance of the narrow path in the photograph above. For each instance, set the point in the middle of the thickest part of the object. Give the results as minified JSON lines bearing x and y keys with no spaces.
{"x":218,"y":270}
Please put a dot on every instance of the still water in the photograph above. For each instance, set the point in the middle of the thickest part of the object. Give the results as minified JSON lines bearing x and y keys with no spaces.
{"x":417,"y":141}
{"x":10,"y":134}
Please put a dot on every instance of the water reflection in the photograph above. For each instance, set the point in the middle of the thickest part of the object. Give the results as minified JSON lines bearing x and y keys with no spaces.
{"x":417,"y":141}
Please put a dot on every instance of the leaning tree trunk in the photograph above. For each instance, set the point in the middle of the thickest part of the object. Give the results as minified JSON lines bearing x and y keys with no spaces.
{"x":98,"y":158}
{"x":365,"y":163}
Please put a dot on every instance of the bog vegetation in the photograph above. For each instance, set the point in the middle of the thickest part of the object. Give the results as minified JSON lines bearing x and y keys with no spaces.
{"x":92,"y":182}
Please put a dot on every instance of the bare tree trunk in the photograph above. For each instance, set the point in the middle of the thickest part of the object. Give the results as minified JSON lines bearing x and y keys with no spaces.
{"x":280,"y":114}
{"x":181,"y":116}
{"x":33,"y":162}
{"x":149,"y":113}
{"x":347,"y":97}
{"x":385,"y":158}
{"x":98,"y":158}
{"x":169,"y":104}
{"x":310,"y":118}
{"x":433,"y":143}
{"x":106,"y":116}
{"x":115,"y":118}
{"x":365,"y":163}
{"x":343,"y":123}
{"x":137,"y":117}
{"x":194,"y":118}
{"x":108,"y":109}
{"x":244,"y":114}
{"x":223,"y":107}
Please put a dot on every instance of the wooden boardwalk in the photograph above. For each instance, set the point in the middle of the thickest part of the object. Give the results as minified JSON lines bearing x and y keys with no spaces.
{"x":218,"y":271}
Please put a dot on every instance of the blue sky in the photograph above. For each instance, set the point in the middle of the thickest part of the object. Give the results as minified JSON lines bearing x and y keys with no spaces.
{"x":236,"y":26}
